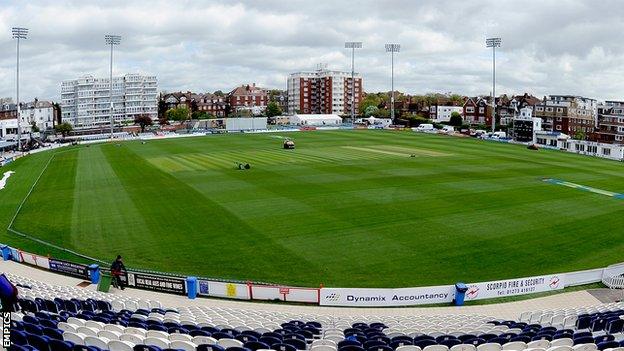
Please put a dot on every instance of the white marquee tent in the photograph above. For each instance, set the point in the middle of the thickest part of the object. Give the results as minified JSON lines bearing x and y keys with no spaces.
{"x":316,"y":120}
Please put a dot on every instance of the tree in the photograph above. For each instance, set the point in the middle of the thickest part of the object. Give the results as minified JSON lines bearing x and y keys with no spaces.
{"x":200,"y":115}
{"x":273,"y":109}
{"x":177,"y":114}
{"x":369,"y":100}
{"x":456,"y":99}
{"x":371,"y":111}
{"x":219,"y":93}
{"x":456,"y":119}
{"x":63,"y":128}
{"x":34,"y":128}
{"x":579,"y":135}
{"x":143,"y":121}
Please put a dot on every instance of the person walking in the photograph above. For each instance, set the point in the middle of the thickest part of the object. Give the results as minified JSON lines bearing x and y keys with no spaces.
{"x":117,"y":269}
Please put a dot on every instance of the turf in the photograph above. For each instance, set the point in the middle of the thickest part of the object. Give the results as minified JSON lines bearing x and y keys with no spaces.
{"x":345,"y":208}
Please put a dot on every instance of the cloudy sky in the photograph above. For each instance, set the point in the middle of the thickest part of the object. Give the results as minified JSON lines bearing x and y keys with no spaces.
{"x":549,"y":46}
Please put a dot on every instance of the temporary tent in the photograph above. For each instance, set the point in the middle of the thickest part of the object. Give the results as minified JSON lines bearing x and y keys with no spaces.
{"x":316,"y":120}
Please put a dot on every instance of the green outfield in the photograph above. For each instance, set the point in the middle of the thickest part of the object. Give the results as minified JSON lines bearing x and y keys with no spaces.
{"x":345,"y":208}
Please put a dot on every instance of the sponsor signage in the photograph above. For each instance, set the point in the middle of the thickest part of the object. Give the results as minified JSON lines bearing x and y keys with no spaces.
{"x":386,"y":297}
{"x":69,"y":268}
{"x":161,"y":283}
{"x":511,"y":287}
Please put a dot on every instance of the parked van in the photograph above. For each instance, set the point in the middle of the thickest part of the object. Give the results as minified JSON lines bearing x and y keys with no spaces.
{"x":425,"y":127}
{"x":499,"y":135}
{"x":447,"y":130}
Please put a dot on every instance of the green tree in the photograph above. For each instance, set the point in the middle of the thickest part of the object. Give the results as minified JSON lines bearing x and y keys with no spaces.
{"x":383,"y":113}
{"x":371,"y":111}
{"x":273,"y":109}
{"x":456,"y":119}
{"x":143,"y":121}
{"x":63,"y":128}
{"x":34,"y":128}
{"x":219,"y":93}
{"x":579,"y":135}
{"x":456,"y":99}
{"x":200,"y":115}
{"x":369,"y":100}
{"x":177,"y":114}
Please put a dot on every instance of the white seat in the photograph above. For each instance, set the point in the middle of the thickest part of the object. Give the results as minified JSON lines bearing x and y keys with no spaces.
{"x":117,"y":305}
{"x":76,"y":338}
{"x":87,"y":331}
{"x":117,"y":345}
{"x":94,"y":325}
{"x":323,"y":342}
{"x":180,"y":337}
{"x":323,"y":348}
{"x":102,"y":343}
{"x":114,"y":328}
{"x":66,"y":327}
{"x":436,"y":348}
{"x":463,"y":347}
{"x":204,"y":340}
{"x":585,"y":347}
{"x":408,"y":348}
{"x":133,"y":338}
{"x":162,"y":343}
{"x":615,"y":349}
{"x":136,"y":331}
{"x":334,"y":338}
{"x":225,"y":343}
{"x":183,"y":345}
{"x":539,"y":344}
{"x":490,"y":346}
{"x":132,"y":305}
{"x":559,"y":348}
{"x":562,"y":342}
{"x":157,"y":334}
{"x":75,"y":321}
{"x":515,"y":346}
{"x":108,"y":334}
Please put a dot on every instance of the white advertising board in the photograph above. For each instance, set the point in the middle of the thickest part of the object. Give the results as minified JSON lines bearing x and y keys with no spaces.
{"x":511,"y":287}
{"x":386,"y":297}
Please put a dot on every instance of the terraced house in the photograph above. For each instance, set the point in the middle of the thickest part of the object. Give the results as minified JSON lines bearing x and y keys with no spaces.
{"x":568,"y":114}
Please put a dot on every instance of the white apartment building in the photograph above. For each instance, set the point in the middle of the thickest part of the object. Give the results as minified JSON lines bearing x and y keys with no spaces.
{"x":323,"y":92}
{"x":443,"y":113}
{"x":38,"y":113}
{"x":85,"y":102}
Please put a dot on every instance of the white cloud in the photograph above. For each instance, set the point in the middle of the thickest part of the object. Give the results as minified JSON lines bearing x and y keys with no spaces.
{"x":549,"y":46}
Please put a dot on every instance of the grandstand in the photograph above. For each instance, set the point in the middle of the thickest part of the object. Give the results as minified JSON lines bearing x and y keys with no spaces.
{"x":66,"y":317}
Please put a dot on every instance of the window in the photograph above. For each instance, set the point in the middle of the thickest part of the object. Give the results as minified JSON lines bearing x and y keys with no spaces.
{"x":606,"y":151}
{"x":469,"y":109}
{"x":481,"y":109}
{"x":558,"y":127}
{"x":549,"y":109}
{"x":539,"y":108}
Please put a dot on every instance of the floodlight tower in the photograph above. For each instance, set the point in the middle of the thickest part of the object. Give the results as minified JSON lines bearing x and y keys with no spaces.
{"x":493,"y":43}
{"x":111,"y":40}
{"x":353,"y":45}
{"x":392,"y":48}
{"x":18,"y":33}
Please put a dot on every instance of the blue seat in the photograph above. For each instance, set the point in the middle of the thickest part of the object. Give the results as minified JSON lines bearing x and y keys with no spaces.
{"x":608,"y":345}
{"x":206,"y":347}
{"x":603,"y":338}
{"x":615,"y":326}
{"x":221,"y":335}
{"x":475,"y":341}
{"x":498,"y":340}
{"x":376,"y":325}
{"x":33,"y":329}
{"x":30,"y":319}
{"x":47,"y":323}
{"x":256,"y":345}
{"x":347,"y":342}
{"x":597,"y":324}
{"x":18,"y":337}
{"x":380,"y":348}
{"x":523,"y":338}
{"x":53,"y":333}
{"x":60,"y":345}
{"x":274,"y":335}
{"x":255,"y":334}
{"x":563,"y":336}
{"x":269,"y":340}
{"x":41,"y":343}
{"x":344,"y":348}
{"x":298,"y":344}
{"x":15,"y":347}
{"x":542,"y":337}
{"x":384,"y":339}
{"x":236,"y":348}
{"x":465,"y":337}
{"x":245,"y":338}
{"x":199,"y":332}
{"x":230,"y":331}
{"x":399,"y":343}
{"x":295,"y":336}
{"x":156,"y":348}
{"x":371,"y":343}
{"x":583,"y":340}
{"x":488,"y":337}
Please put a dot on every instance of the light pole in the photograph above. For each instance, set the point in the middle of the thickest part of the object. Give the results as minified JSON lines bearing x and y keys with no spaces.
{"x":353,"y":45}
{"x":392,"y":48}
{"x":493,"y":43}
{"x":18,"y":33}
{"x":111,"y":40}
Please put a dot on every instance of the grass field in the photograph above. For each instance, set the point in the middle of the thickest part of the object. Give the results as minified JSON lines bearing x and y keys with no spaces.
{"x":346,"y":208}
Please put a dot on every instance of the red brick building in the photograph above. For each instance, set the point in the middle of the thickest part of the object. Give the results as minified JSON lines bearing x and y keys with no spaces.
{"x":247,"y":98}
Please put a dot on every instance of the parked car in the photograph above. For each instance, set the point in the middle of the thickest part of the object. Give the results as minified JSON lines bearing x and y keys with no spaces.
{"x":425,"y":127}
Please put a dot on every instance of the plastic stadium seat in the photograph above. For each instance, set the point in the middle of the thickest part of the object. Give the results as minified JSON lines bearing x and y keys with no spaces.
{"x":61,"y":345}
{"x":18,"y":337}
{"x":463,"y":347}
{"x":208,"y":347}
{"x":603,"y":338}
{"x":256,"y":345}
{"x":372,"y":343}
{"x":608,"y":345}
{"x":41,"y":343}
{"x":184,"y":345}
{"x":146,"y":348}
{"x":475,"y":341}
{"x":117,"y":345}
{"x":286,"y":347}
{"x":424,"y":343}
{"x":349,"y":343}
{"x":583,"y":340}
{"x":298,"y":344}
